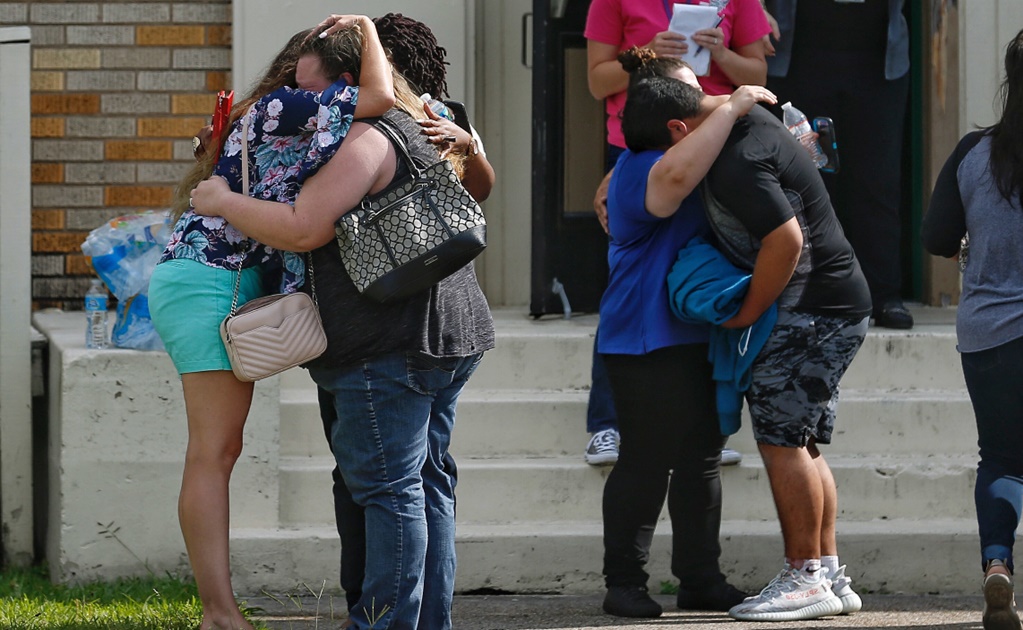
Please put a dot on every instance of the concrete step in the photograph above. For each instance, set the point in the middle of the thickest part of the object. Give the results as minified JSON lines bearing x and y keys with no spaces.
{"x":883,"y":556}
{"x":540,"y":423}
{"x":556,"y":489}
{"x":556,"y":354}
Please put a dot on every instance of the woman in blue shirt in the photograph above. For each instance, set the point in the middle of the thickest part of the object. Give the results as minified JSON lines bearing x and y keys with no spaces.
{"x":660,"y":376}
{"x":291,"y":133}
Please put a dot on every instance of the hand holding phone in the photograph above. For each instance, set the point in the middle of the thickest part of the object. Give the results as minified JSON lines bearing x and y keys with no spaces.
{"x":825,"y":128}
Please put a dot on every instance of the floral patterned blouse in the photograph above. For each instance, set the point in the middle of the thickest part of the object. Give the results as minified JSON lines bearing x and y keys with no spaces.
{"x":292,"y":133}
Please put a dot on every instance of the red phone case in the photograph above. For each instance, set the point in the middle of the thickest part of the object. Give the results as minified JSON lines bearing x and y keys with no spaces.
{"x":221,"y":118}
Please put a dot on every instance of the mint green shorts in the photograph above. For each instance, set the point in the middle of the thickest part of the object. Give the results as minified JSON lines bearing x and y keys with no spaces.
{"x":187,"y":301}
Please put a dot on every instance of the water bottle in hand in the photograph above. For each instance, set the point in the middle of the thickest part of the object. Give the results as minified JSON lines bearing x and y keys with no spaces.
{"x":438,"y":107}
{"x":96,"y":331}
{"x":797,"y":123}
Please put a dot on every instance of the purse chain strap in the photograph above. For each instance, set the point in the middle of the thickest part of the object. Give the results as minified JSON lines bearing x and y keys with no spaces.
{"x":245,"y":191}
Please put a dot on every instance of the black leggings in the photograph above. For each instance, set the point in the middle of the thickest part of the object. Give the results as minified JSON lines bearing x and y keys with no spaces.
{"x":671,"y":444}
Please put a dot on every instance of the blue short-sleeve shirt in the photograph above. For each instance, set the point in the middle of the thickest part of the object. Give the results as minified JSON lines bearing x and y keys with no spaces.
{"x":634,"y":314}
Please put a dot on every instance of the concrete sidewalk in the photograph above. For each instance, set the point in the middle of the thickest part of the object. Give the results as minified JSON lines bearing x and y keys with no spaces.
{"x":582,"y":612}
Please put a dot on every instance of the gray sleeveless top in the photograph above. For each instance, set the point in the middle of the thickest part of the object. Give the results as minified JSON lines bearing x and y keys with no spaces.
{"x":450,"y":319}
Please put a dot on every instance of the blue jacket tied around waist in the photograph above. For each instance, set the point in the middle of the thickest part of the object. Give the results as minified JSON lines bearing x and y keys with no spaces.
{"x":704,"y":288}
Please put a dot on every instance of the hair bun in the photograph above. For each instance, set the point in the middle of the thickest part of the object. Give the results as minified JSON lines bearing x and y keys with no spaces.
{"x":635,"y":58}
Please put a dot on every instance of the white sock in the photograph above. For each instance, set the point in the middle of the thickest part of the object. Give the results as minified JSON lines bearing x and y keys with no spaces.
{"x":812,"y":565}
{"x":831,"y":564}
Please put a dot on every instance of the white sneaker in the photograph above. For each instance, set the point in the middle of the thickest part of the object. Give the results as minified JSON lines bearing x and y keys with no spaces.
{"x":603,"y":448}
{"x":841,"y":586}
{"x":730,"y":457}
{"x":791,"y":596}
{"x":999,"y":602}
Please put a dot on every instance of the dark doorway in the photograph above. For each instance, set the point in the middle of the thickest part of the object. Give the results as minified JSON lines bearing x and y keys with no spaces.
{"x":569,"y":249}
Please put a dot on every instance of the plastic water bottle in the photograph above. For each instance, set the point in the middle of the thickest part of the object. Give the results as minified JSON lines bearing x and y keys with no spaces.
{"x":438,"y":107}
{"x":96,"y":332}
{"x":797,"y":123}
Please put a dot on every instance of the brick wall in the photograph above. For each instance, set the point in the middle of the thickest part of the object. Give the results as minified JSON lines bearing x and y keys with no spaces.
{"x":118,"y":90}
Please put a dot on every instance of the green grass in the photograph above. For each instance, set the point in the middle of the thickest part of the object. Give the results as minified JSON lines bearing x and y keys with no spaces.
{"x":28,"y":601}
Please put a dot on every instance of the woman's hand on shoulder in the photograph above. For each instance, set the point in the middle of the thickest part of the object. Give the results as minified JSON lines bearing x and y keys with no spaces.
{"x":746,"y":96}
{"x":339,"y":22}
{"x":207,"y":198}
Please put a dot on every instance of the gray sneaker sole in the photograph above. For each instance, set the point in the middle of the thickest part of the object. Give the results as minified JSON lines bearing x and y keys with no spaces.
{"x":999,"y":611}
{"x":826,"y":608}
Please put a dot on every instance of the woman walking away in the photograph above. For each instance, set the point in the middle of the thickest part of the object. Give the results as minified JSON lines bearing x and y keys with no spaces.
{"x":977,"y":214}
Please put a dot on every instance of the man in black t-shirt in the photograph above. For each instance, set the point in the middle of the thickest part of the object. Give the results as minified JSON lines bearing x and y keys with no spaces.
{"x":773,"y":217}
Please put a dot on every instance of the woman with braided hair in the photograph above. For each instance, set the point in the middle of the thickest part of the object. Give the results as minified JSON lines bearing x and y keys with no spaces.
{"x":413,"y":50}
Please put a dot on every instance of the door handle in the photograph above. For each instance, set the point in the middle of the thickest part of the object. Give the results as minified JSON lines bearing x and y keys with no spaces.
{"x":527,"y":19}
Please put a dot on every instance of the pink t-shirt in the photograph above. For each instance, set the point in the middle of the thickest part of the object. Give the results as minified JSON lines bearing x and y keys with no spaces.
{"x":628,"y":23}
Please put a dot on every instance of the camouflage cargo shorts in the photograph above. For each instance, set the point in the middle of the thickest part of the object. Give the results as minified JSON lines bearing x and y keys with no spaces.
{"x":794,"y":392}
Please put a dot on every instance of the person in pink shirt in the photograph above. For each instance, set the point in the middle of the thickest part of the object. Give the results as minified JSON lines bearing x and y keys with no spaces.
{"x":736,"y":45}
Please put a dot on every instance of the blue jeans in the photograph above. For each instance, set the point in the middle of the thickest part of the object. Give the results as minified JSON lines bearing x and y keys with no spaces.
{"x":600,"y":410}
{"x":395,"y":416}
{"x":993,"y":379}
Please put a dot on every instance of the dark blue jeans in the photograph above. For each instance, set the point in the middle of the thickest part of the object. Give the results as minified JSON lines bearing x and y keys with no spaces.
{"x":395,"y":416}
{"x":600,"y":411}
{"x":349,"y":516}
{"x":993,"y":379}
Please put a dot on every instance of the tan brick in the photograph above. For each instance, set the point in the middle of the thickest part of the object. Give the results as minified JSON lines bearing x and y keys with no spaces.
{"x":47,"y":81}
{"x":142,"y":196}
{"x":169,"y":127}
{"x":216,"y":81}
{"x":66,"y":58}
{"x":47,"y":173}
{"x":169,"y":35}
{"x":65,"y":242}
{"x":47,"y":127}
{"x":199,"y":104}
{"x":219,"y":35}
{"x":138,"y":150}
{"x":47,"y":219}
{"x":77,"y":265}
{"x":65,"y":103}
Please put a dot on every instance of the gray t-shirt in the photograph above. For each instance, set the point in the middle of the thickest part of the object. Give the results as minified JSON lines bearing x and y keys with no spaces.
{"x":965,"y":199}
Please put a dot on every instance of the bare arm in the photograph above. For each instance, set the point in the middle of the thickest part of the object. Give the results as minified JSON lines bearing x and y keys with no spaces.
{"x":376,"y":90}
{"x":364,"y":164}
{"x":606,"y":76}
{"x":686,"y":163}
{"x":600,"y":201}
{"x":776,"y":261}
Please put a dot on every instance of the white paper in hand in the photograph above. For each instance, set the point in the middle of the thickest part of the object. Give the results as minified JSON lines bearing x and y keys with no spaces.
{"x":686,"y":19}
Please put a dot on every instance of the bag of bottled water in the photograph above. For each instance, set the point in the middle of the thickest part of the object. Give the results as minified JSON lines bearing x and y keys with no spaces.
{"x":123,"y":253}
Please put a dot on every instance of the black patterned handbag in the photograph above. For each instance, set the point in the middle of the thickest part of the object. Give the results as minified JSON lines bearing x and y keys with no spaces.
{"x":413,"y":234}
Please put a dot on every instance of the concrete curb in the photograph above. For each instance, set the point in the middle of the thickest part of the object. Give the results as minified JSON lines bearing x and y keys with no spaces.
{"x":583,"y":612}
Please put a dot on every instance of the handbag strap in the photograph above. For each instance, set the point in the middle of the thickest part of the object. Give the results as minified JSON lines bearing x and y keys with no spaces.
{"x":392,"y":132}
{"x":245,"y":191}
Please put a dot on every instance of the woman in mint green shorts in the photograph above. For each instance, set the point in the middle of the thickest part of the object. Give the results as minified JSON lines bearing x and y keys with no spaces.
{"x":291,"y":133}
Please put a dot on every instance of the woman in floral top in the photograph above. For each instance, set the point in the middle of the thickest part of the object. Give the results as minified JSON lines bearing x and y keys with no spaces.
{"x":291,"y":133}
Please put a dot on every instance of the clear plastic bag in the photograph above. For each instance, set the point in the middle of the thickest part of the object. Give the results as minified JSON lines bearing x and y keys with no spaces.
{"x":124,"y":253}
